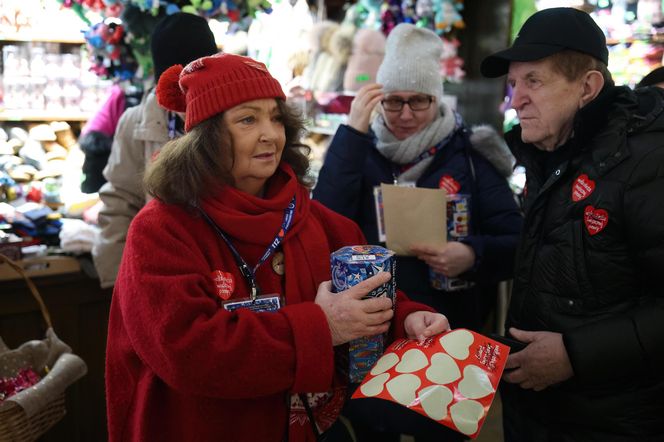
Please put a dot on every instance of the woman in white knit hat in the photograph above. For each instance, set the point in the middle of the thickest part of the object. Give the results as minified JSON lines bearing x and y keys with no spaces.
{"x":414,"y":138}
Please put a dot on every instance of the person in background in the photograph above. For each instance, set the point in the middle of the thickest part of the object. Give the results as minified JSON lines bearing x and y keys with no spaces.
{"x":654,"y":78}
{"x":142,"y":130}
{"x":417,"y":139}
{"x":588,"y":296}
{"x":207,"y":341}
{"x":106,"y":40}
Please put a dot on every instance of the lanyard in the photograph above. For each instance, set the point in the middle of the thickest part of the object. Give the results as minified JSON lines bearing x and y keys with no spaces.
{"x":434,"y":149}
{"x":248,"y":273}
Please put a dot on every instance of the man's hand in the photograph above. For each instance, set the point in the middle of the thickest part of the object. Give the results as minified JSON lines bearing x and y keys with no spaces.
{"x":542,"y":363}
{"x":424,"y":324}
{"x":362,"y":105}
{"x":349,"y":316}
{"x":451,"y":260}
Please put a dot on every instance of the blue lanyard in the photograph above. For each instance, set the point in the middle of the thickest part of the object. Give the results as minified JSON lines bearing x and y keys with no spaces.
{"x":248,"y":273}
{"x":433,"y":150}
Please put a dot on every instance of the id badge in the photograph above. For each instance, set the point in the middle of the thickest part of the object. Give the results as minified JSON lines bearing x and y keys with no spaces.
{"x":263,"y":303}
{"x":378,"y":204}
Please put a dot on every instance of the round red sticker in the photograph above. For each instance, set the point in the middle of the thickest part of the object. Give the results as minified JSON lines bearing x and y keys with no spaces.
{"x":224,"y":283}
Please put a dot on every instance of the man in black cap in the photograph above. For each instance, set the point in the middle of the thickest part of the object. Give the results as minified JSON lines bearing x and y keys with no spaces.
{"x":588,"y":296}
{"x":176,"y":39}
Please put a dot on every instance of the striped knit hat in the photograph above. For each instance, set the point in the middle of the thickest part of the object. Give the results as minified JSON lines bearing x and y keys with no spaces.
{"x":211,"y":85}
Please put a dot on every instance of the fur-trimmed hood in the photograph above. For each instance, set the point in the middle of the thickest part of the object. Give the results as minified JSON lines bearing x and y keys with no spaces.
{"x":487,"y":142}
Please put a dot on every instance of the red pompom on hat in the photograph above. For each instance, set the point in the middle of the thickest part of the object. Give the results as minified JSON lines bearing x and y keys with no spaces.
{"x":211,"y":85}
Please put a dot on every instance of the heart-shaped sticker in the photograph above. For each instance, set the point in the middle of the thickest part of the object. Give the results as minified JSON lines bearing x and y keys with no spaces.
{"x":582,"y":188}
{"x":434,"y":401}
{"x":402,"y":388}
{"x":595,"y":219}
{"x":375,"y":386}
{"x":386,"y":362}
{"x":475,"y":383}
{"x":466,"y":415}
{"x":411,"y":361}
{"x":224,"y":283}
{"x":457,"y":343}
{"x":443,"y":369}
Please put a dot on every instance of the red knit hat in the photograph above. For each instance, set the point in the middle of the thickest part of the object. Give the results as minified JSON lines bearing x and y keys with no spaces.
{"x":211,"y":85}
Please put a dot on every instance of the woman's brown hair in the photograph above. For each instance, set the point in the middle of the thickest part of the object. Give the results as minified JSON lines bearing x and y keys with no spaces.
{"x":188,"y":168}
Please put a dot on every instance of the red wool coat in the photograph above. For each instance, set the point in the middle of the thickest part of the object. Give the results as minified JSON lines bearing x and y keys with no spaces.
{"x":179,"y":367}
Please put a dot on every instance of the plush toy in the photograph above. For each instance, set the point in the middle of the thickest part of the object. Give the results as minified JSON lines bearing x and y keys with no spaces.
{"x":450,"y":62}
{"x":447,"y":15}
{"x":390,"y":15}
{"x":111,"y":55}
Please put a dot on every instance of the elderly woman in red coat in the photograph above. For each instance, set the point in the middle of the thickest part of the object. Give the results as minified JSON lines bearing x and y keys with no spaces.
{"x":190,"y":356}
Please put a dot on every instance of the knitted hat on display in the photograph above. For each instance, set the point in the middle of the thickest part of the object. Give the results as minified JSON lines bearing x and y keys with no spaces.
{"x":180,"y":38}
{"x":412,"y":61}
{"x":211,"y":85}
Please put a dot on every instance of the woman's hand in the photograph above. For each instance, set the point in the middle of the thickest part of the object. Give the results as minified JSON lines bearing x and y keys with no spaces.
{"x":349,"y":316}
{"x":451,"y":260}
{"x":423,"y":324}
{"x":361,"y":107}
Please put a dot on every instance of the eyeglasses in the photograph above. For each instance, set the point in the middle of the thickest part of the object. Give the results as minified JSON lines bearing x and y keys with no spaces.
{"x":416,"y":103}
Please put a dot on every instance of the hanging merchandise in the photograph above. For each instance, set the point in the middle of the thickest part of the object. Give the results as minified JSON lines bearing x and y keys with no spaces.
{"x":113,"y":58}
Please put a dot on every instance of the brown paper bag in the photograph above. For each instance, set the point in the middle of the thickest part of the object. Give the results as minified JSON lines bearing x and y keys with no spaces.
{"x":414,"y":215}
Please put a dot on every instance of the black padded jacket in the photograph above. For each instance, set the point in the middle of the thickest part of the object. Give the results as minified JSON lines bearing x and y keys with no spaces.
{"x":591,"y":265}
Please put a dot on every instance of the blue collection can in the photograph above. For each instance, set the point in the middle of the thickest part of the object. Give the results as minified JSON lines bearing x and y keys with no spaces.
{"x":458,"y":227}
{"x":350,"y":266}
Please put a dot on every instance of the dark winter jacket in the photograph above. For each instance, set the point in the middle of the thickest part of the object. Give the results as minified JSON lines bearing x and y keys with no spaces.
{"x":353,"y":166}
{"x":591,"y":266}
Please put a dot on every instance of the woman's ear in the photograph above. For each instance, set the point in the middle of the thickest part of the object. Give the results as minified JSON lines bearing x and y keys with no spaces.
{"x":593,"y":82}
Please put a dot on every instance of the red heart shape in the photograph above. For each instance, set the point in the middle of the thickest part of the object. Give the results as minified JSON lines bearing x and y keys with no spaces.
{"x":224,"y":282}
{"x":582,"y":188}
{"x":595,"y":219}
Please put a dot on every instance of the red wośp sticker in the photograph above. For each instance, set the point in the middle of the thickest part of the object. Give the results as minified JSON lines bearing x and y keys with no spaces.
{"x":224,"y":283}
{"x":582,"y":188}
{"x":595,"y":219}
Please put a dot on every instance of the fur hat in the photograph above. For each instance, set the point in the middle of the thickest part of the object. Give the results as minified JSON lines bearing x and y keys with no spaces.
{"x":412,"y":61}
{"x":211,"y":85}
{"x":179,"y":39}
{"x":367,"y":55}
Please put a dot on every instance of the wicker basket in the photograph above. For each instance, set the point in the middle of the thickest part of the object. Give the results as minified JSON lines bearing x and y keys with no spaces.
{"x":15,"y":424}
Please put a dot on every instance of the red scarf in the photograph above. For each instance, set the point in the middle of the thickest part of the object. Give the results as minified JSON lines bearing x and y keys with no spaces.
{"x":252,"y":220}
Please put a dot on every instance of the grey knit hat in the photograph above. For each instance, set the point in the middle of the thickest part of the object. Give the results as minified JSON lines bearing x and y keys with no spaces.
{"x":412,"y":61}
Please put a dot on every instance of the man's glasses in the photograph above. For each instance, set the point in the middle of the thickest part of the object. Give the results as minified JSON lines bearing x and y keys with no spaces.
{"x":416,"y":103}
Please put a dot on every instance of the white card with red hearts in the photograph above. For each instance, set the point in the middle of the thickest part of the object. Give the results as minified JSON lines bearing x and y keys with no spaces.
{"x":451,"y":378}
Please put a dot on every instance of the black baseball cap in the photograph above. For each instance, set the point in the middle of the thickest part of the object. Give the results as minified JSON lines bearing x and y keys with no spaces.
{"x":547,"y":32}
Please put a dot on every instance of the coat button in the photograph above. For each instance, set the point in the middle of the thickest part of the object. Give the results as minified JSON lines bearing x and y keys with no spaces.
{"x":570,"y":302}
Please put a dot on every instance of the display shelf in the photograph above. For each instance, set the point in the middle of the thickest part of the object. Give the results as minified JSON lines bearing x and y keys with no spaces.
{"x":41,"y":38}
{"x":43,"y":115}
